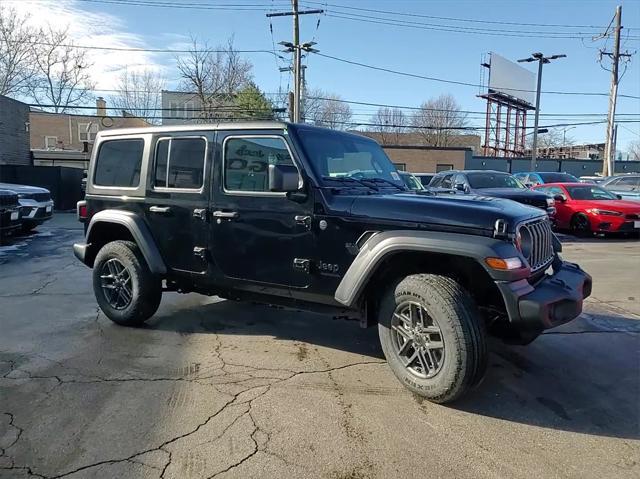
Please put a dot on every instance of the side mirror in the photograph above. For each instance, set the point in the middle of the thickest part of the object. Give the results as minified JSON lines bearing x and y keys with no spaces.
{"x":460,"y":187}
{"x":619,"y":197}
{"x":560,"y":198}
{"x":283,"y":178}
{"x":528,"y":185}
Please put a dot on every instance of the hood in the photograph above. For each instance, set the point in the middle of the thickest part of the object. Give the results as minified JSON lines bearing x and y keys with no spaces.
{"x":22,"y":188}
{"x":528,"y":197}
{"x":445,"y":211}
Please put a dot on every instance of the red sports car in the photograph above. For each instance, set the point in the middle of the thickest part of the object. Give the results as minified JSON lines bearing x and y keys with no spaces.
{"x":585,"y":208}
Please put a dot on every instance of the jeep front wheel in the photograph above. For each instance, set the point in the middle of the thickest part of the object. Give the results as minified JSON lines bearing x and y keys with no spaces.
{"x":433,"y":337}
{"x":126,"y":290}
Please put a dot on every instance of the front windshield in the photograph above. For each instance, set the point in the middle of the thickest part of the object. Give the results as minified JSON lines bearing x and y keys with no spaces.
{"x":492,"y":180}
{"x":338,"y":155}
{"x":589,"y":192}
{"x":411,"y":181}
{"x":558,"y":178}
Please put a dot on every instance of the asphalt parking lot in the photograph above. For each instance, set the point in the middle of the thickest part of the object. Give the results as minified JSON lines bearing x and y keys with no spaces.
{"x":215,"y":388}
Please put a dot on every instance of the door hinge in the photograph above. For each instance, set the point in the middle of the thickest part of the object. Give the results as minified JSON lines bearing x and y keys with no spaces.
{"x":302,"y":264}
{"x":200,"y":252}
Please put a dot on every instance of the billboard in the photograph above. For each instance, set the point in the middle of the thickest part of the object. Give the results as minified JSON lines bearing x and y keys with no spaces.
{"x":509,"y":78}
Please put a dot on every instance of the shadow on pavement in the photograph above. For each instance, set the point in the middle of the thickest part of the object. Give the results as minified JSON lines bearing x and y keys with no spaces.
{"x":584,"y":381}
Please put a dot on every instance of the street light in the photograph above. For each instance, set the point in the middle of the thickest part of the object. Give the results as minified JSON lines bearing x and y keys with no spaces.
{"x":541,"y":59}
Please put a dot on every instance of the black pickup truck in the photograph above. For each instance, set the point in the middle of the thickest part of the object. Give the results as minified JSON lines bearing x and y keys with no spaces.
{"x":310,"y":218}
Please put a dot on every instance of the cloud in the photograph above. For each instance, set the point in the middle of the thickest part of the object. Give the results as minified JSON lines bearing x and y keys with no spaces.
{"x":95,"y":29}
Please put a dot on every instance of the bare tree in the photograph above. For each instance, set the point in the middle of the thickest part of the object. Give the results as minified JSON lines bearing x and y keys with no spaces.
{"x":213,"y":75}
{"x":62,"y":69}
{"x":439,"y":119}
{"x":16,"y":53}
{"x":548,"y":140}
{"x":140,"y":94}
{"x":389,"y":123}
{"x":326,"y":109}
{"x":634,"y":150}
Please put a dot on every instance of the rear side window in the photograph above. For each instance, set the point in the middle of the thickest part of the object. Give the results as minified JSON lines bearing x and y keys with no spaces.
{"x":118,"y":163}
{"x":180,"y":163}
{"x":247,"y":160}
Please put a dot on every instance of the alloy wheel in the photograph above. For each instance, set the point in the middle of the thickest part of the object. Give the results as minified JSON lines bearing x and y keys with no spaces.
{"x":115,"y":281}
{"x":417,"y":340}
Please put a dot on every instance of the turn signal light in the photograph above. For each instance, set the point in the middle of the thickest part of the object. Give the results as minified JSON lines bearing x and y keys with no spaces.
{"x":83,"y":211}
{"x":504,"y":264}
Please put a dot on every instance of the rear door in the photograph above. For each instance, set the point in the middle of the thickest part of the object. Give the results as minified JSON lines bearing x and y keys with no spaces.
{"x":259,"y":235}
{"x":177,"y":199}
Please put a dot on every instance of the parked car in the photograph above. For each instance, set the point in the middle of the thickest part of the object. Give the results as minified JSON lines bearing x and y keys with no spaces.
{"x":537,"y":178}
{"x":496,"y":184}
{"x":425,"y":178}
{"x":308,"y":217}
{"x":411,"y":181}
{"x":593,"y":179}
{"x":627,"y":186}
{"x":9,"y":213}
{"x":36,"y":205}
{"x":584,"y":209}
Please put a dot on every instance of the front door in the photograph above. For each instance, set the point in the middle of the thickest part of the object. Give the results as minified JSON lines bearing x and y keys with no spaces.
{"x":177,"y":200}
{"x":258,"y":235}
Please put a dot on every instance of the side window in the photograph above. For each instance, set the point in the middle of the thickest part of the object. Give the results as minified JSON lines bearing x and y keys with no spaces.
{"x":247,"y":160}
{"x":626,"y":184}
{"x":460,"y":179}
{"x":435,"y":181}
{"x":118,"y":163}
{"x":446,"y":182}
{"x":180,"y":163}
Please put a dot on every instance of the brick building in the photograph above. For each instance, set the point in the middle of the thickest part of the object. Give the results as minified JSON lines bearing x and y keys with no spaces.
{"x":14,"y":132}
{"x":69,"y":131}
{"x":416,"y":139}
{"x":428,"y":159}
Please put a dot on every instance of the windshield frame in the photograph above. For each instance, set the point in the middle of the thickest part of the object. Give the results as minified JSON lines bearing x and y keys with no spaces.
{"x":297,"y":132}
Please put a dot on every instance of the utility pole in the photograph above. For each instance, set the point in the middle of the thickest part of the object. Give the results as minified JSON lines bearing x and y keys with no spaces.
{"x":609,"y":149}
{"x":541,"y":59}
{"x":296,"y":48}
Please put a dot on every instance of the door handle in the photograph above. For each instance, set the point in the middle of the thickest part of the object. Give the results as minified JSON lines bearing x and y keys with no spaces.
{"x":200,"y":213}
{"x":225,"y":214}
{"x":160,"y":209}
{"x":303,"y":220}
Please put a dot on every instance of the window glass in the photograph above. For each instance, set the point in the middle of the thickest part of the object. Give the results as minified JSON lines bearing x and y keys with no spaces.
{"x":590,"y":192}
{"x":162,"y":158}
{"x":435,"y":182}
{"x":186,"y":163}
{"x":488,"y":179}
{"x":118,"y":163}
{"x":551,"y":190}
{"x":180,"y":163}
{"x":247,"y":160}
{"x":627,"y":183}
{"x":446,"y":182}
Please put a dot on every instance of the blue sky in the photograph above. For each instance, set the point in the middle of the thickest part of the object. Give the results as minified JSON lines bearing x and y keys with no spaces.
{"x":444,"y":54}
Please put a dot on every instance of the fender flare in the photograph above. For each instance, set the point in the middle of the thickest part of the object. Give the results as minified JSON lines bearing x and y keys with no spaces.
{"x":381,"y":245}
{"x":140,"y":232}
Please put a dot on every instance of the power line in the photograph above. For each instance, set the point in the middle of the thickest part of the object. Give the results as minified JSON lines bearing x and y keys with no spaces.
{"x":456,"y":82}
{"x":456,"y":19}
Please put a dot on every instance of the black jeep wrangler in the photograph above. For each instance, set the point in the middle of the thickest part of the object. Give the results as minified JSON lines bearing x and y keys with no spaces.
{"x":311,"y":218}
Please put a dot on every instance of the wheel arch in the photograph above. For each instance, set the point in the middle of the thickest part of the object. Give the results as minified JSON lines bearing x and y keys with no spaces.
{"x":392,"y":254}
{"x":110,"y":225}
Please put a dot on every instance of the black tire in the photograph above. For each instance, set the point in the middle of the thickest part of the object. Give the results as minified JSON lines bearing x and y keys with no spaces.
{"x":145,"y":287}
{"x":580,"y":225}
{"x":462,"y":331}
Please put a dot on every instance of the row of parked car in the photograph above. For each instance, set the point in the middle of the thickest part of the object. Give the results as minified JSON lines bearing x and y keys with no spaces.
{"x":22,"y":208}
{"x":581,"y":206}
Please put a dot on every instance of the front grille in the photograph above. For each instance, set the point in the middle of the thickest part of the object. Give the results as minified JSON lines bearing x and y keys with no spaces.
{"x":534,"y":202}
{"x":9,"y":200}
{"x":633,"y":217}
{"x":37,"y":196}
{"x":541,"y":247}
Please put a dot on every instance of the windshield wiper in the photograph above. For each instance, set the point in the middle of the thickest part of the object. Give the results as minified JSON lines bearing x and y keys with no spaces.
{"x":348,"y":179}
{"x":384,"y":180}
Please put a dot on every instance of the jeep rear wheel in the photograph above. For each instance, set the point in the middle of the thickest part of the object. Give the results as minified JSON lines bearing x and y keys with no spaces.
{"x":433,"y":337}
{"x":126,"y":290}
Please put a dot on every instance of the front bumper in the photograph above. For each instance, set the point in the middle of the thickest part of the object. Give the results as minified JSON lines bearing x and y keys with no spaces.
{"x":553,"y":300}
{"x":35,"y":212}
{"x":9,"y":220}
